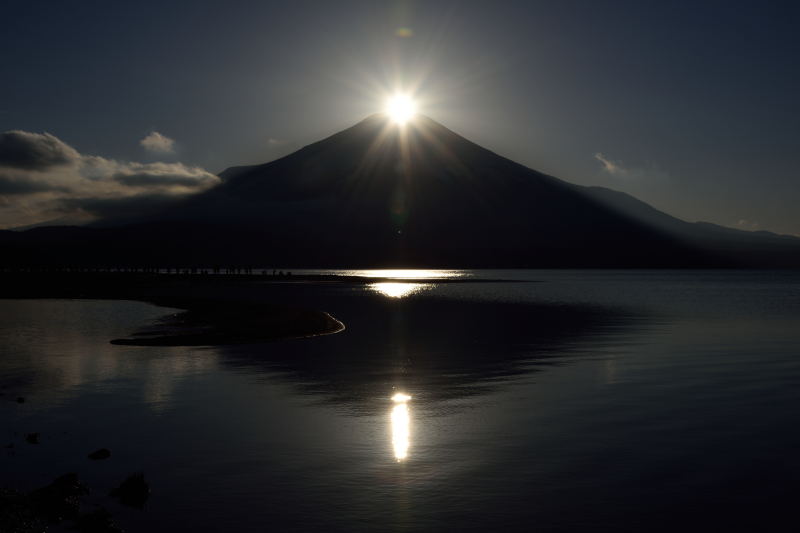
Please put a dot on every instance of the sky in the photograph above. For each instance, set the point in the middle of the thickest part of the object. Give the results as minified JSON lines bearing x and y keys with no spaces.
{"x":691,"y":106}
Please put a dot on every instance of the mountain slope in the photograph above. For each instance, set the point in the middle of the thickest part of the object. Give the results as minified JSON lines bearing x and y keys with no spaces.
{"x":380,"y":195}
{"x":733,"y":246}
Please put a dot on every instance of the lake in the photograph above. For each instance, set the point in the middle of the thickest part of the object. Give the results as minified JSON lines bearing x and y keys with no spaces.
{"x":503,"y":400}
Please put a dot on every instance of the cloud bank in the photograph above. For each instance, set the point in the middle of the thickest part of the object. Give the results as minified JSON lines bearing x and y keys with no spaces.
{"x":158,"y":143}
{"x":42,"y":178}
{"x":34,"y":151}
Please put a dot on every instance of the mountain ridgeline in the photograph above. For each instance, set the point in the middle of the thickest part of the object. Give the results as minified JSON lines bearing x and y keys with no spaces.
{"x":379,"y":195}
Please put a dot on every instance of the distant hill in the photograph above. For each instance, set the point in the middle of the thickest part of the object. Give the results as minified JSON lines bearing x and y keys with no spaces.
{"x":378,"y":195}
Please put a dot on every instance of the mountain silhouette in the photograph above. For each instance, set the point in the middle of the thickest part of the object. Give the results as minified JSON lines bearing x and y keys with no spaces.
{"x":380,"y":195}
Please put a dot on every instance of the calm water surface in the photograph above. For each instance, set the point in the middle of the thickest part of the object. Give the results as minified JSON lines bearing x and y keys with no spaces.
{"x":550,"y":401}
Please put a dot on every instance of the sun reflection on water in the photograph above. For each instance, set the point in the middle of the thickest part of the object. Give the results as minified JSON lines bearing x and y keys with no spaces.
{"x":398,"y":290}
{"x":401,"y":426}
{"x":408,"y":273}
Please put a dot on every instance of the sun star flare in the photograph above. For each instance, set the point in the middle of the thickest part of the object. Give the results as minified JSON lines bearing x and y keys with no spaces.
{"x":401,"y":108}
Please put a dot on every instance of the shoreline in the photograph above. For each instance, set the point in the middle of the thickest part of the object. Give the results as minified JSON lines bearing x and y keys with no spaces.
{"x":205,"y":317}
{"x":211,"y":325}
{"x":214,"y":308}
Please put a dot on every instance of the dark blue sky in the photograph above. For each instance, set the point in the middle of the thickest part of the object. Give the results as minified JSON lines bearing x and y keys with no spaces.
{"x":690,"y":106}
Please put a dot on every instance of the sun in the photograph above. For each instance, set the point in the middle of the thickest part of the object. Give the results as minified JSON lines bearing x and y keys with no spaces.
{"x":401,"y":108}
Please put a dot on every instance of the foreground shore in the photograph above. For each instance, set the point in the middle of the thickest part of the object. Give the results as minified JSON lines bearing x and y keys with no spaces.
{"x":215,"y":309}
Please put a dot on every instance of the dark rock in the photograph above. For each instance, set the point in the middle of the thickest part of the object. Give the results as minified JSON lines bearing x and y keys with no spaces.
{"x":98,"y":521}
{"x":59,"y":500}
{"x":98,"y":455}
{"x":134,"y":491}
{"x":20,"y":399}
{"x":17,"y":514}
{"x":32,"y":438}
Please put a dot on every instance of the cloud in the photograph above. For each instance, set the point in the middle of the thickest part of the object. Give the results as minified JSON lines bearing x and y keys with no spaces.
{"x":42,"y":178}
{"x":749,"y":225}
{"x":618,"y":169}
{"x":164,"y":174}
{"x":12,"y":186}
{"x":158,"y":143}
{"x":612,"y":167}
{"x":34,"y":151}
